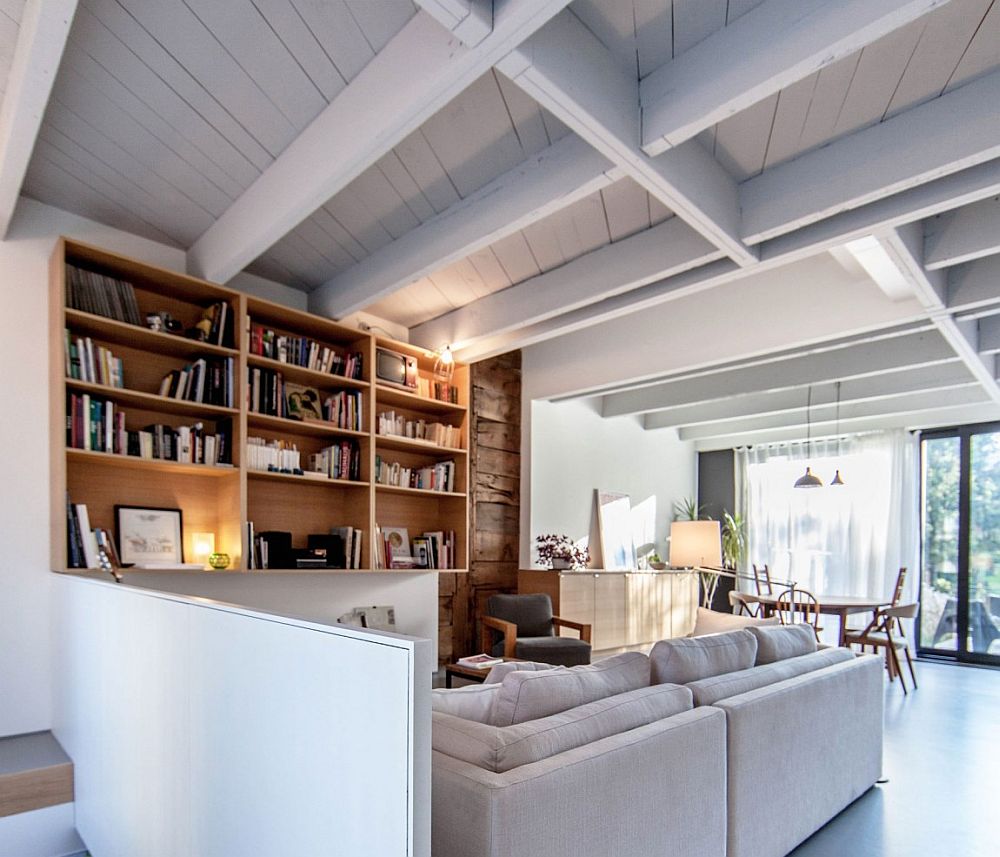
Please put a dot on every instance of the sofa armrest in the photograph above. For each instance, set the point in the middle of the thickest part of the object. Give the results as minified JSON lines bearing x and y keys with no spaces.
{"x":632,"y":794}
{"x":509,"y":631}
{"x":576,"y":626}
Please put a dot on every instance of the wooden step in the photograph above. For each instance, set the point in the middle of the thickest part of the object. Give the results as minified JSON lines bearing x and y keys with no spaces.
{"x":35,"y":772}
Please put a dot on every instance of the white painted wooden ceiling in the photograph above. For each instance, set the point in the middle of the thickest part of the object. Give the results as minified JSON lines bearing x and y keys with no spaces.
{"x":503,"y":180}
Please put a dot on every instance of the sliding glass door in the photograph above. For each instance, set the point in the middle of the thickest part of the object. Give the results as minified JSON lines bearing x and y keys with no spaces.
{"x":960,"y":528}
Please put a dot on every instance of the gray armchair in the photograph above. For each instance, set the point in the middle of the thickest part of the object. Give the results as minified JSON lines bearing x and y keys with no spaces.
{"x":529,"y":631}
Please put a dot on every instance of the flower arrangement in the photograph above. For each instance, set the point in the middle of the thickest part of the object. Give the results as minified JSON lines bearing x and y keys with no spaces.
{"x":558,"y":551}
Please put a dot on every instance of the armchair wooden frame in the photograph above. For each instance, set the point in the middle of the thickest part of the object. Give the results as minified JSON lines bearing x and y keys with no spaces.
{"x":509,"y":631}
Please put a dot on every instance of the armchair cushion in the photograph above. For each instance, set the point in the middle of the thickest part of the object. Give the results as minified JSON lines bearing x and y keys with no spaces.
{"x":501,"y":749}
{"x":714,"y":622}
{"x":531,"y":695}
{"x":687,"y":659}
{"x":473,"y":702}
{"x":784,"y":641}
{"x":531,"y":613}
{"x":564,"y":651}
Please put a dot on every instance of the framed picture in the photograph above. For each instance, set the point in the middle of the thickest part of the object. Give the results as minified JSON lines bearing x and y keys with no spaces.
{"x":303,"y":402}
{"x":614,"y":517}
{"x":149,"y":536}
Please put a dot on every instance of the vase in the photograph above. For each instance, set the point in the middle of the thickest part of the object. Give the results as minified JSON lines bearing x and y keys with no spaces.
{"x":560,"y":563}
{"x":219,"y":560}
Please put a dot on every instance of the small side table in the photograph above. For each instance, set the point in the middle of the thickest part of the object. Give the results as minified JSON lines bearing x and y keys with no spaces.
{"x":469,"y":673}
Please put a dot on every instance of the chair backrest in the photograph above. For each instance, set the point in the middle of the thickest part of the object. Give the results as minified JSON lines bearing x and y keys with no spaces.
{"x":531,"y":613}
{"x":902,"y":611}
{"x":798,"y":609}
{"x":897,"y":593}
{"x":762,"y":579}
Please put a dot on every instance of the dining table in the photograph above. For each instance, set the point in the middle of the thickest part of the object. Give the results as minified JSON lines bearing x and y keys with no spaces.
{"x":830,"y":605}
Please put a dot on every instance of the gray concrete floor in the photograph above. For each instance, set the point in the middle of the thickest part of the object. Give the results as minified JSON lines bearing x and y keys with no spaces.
{"x":942,"y":759}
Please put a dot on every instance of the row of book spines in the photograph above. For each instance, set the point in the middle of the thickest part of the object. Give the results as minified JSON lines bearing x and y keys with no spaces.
{"x":433,"y":550}
{"x":391,"y":424}
{"x":433,"y":477}
{"x":99,"y":294}
{"x":305,"y":352}
{"x":98,"y":425}
{"x":339,"y":461}
{"x":267,"y":394}
{"x":440,"y":390}
{"x":351,"y":537}
{"x":208,"y":381}
{"x":93,"y":364}
{"x":86,"y":547}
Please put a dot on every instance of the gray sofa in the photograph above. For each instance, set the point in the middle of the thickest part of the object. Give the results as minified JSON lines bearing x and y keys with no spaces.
{"x":639,"y":756}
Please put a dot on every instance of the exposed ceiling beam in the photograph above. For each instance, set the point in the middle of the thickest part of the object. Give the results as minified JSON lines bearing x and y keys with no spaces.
{"x":470,"y":20}
{"x":871,"y":164}
{"x":989,"y":335}
{"x":820,"y":366}
{"x":974,"y":285}
{"x":569,"y":72}
{"x":944,"y":416}
{"x":419,"y":71}
{"x":825,"y":416}
{"x":906,"y":246}
{"x":554,"y":178}
{"x":926,"y":200}
{"x":769,"y":48}
{"x":937,"y":377}
{"x":41,"y":39}
{"x":602,"y":273}
{"x":963,"y":235}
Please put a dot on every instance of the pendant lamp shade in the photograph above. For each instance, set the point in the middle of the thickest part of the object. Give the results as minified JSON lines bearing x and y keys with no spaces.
{"x":808,"y":479}
{"x":837,"y":480}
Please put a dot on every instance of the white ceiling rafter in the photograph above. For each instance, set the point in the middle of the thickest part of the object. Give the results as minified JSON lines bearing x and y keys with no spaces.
{"x":769,"y":48}
{"x":556,"y":177}
{"x":42,"y":35}
{"x":570,"y":73}
{"x":414,"y":75}
{"x":962,"y":235}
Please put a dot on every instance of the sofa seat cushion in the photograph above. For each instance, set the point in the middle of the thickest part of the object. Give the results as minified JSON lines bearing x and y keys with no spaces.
{"x":708,"y":691}
{"x":714,"y":622}
{"x":530,"y":695}
{"x":563,"y":651}
{"x":473,"y":702}
{"x":502,"y":748}
{"x":686,"y":659}
{"x":782,"y":642}
{"x":497,"y":673}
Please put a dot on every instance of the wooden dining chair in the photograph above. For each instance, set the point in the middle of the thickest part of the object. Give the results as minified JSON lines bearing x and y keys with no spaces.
{"x":885,"y":631}
{"x":762,"y":579}
{"x":798,"y":607}
{"x":745,"y":604}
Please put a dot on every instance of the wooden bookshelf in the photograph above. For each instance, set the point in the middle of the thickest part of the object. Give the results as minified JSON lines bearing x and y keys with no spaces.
{"x":219,"y":498}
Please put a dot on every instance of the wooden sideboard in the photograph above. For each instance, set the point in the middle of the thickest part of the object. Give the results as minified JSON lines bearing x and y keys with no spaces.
{"x":627,"y":609}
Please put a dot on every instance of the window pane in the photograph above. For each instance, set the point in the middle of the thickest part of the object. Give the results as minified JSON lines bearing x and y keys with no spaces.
{"x":984,"y":545}
{"x":939,"y":575}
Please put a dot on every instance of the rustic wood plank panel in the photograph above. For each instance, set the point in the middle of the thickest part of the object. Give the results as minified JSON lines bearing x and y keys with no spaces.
{"x":494,"y":575}
{"x":494,"y":435}
{"x":496,"y":488}
{"x":497,"y":462}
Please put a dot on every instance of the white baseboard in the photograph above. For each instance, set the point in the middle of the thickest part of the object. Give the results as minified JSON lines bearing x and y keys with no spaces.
{"x":48,"y":832}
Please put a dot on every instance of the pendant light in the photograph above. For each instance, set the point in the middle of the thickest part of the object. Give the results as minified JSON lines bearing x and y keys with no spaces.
{"x":808,"y":479}
{"x":837,"y":480}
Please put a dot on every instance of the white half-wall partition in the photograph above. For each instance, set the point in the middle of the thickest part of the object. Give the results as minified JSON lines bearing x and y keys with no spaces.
{"x":203,"y":728}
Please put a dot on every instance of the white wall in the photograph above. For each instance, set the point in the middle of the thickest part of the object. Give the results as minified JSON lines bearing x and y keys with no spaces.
{"x":573,"y":450}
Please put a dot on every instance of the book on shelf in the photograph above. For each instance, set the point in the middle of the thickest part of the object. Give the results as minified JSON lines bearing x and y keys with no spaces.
{"x":305,"y":352}
{"x":208,"y":380}
{"x":479,"y":662}
{"x":391,"y":424}
{"x":432,"y":477}
{"x":268,"y":393}
{"x":91,"y":363}
{"x":439,"y":390}
{"x":272,"y":549}
{"x":339,"y":461}
{"x":87,"y":541}
{"x":99,"y":294}
{"x":351,"y":537}
{"x":432,"y":550}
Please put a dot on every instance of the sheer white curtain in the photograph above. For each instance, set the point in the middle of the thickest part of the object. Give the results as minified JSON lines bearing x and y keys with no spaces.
{"x":845,"y":540}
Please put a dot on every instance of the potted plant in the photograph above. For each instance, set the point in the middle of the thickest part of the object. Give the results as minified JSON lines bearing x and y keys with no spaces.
{"x":559,"y":552}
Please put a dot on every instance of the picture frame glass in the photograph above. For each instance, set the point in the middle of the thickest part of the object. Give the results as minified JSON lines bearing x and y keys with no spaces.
{"x":149,"y":537}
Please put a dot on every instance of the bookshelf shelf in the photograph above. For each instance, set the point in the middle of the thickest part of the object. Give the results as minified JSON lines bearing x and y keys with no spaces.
{"x":309,"y":377}
{"x":121,"y":333}
{"x":411,"y":401}
{"x":222,"y":499}
{"x":406,"y":444}
{"x":272,"y":476}
{"x":150,"y":401}
{"x":309,"y":428}
{"x":134,"y":462}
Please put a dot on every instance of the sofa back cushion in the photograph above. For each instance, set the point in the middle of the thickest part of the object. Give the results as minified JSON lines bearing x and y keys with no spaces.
{"x":714,"y":622}
{"x":708,"y":691}
{"x":502,"y":748}
{"x":687,"y":659}
{"x":473,"y":702}
{"x":782,"y":642}
{"x":500,"y":671}
{"x":529,"y":695}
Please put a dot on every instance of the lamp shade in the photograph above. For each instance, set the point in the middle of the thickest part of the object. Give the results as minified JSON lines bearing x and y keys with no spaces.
{"x":808,"y":480}
{"x":695,"y":544}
